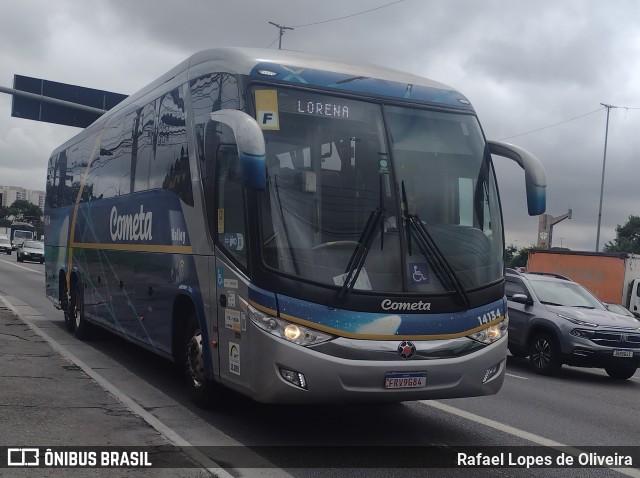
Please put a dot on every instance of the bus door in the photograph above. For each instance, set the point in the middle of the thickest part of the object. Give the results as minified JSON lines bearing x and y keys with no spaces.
{"x":231,"y":267}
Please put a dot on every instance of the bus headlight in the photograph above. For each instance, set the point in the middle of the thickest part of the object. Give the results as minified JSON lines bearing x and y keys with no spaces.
{"x":294,"y":333}
{"x":492,"y":333}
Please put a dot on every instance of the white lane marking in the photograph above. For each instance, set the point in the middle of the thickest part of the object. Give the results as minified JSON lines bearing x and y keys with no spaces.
{"x":21,"y":267}
{"x":516,"y":376}
{"x":199,"y":457}
{"x":537,"y":439}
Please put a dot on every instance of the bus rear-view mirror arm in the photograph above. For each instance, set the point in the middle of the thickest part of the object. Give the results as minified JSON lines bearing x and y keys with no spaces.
{"x":250,"y":143}
{"x":534,"y":174}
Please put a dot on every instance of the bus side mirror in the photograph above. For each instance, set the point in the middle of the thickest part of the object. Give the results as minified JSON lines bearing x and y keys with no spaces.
{"x":534,"y":174}
{"x":250,"y":142}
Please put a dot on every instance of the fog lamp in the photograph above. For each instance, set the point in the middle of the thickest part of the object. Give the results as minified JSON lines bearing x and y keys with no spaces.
{"x":491,"y":372}
{"x":294,"y":377}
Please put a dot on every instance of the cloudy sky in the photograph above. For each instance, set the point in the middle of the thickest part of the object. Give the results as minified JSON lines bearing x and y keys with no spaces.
{"x":535,"y":71}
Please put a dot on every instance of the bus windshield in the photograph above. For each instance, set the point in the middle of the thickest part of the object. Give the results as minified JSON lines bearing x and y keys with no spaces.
{"x":332,"y":163}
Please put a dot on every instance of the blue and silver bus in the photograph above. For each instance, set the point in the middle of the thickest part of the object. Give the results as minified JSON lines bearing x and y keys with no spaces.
{"x":291,"y":227}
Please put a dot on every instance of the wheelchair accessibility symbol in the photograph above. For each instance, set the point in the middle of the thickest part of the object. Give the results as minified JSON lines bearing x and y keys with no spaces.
{"x":419,"y":273}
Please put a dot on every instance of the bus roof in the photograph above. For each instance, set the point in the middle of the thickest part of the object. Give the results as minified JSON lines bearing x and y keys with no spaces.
{"x":293,"y":68}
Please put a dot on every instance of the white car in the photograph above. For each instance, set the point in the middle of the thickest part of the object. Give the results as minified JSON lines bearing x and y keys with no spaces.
{"x":31,"y":251}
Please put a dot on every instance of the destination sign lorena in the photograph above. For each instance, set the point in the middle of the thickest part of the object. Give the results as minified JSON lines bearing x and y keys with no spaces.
{"x":321,"y":105}
{"x":272,"y":103}
{"x":318,"y":108}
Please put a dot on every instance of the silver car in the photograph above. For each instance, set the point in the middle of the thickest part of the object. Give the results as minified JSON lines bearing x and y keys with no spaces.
{"x":31,"y":251}
{"x":556,"y":321}
{"x":5,"y":245}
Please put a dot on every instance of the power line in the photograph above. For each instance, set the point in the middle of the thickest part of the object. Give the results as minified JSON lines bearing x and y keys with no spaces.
{"x":348,"y":16}
{"x":571,"y":119}
{"x":552,"y":125}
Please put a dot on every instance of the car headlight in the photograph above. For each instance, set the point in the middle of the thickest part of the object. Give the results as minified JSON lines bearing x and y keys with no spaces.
{"x":584,"y":334}
{"x":492,"y":333}
{"x":294,"y":333}
{"x":577,"y":321}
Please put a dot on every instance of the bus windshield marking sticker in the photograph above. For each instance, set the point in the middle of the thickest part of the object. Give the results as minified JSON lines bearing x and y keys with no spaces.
{"x":220,"y":221}
{"x":267,"y":109}
{"x":419,"y":273}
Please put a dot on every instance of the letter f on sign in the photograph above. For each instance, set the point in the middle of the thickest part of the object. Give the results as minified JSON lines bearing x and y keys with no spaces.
{"x":268,"y":119}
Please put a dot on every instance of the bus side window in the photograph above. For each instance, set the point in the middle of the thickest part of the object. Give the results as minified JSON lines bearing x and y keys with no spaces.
{"x":170,"y":170}
{"x":143,"y":152}
{"x":230,"y":211}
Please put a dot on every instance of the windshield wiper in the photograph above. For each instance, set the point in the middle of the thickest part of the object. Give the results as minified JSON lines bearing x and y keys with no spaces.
{"x":590,"y":307}
{"x":546,"y":302}
{"x":356,"y":262}
{"x":430,"y":250}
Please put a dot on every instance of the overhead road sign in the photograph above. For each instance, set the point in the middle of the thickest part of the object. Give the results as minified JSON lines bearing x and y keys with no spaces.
{"x":59,"y":103}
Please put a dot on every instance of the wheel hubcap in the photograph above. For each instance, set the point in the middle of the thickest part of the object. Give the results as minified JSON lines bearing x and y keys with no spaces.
{"x":195,"y":362}
{"x":542,"y":354}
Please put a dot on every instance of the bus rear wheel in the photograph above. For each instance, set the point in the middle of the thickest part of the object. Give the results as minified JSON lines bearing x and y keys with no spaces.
{"x":202,"y":390}
{"x":74,"y":319}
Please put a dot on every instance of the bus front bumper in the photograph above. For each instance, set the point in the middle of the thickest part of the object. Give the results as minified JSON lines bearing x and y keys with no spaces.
{"x":329,"y":378}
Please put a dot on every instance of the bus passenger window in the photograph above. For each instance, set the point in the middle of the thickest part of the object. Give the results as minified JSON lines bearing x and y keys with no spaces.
{"x":229,"y":219}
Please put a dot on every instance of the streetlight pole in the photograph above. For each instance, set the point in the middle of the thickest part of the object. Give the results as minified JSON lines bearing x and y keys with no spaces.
{"x":604,"y":161}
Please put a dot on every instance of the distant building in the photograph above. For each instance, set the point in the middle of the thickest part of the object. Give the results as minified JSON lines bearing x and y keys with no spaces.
{"x":11,"y":194}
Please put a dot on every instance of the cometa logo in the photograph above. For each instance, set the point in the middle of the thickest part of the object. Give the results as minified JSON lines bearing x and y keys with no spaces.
{"x":131,"y":227}
{"x":388,"y":304}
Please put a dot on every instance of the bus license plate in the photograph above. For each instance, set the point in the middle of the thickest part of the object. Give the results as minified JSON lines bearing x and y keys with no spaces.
{"x":405,"y":380}
{"x":622,"y":353}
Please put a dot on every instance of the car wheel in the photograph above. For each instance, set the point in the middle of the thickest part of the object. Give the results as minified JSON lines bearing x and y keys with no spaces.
{"x":544,"y":354}
{"x":18,"y":258}
{"x":621,"y":372}
{"x":202,"y":390}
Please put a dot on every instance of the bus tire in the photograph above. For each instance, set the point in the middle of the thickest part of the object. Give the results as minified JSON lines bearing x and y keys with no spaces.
{"x":202,"y":390}
{"x":81,"y":327}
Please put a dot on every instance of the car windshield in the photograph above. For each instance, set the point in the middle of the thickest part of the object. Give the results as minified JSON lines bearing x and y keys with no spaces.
{"x":335,"y":165}
{"x":565,"y":293}
{"x":33,"y":245}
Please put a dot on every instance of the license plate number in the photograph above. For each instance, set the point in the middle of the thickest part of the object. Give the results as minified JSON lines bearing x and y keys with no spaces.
{"x":622,"y":353}
{"x":405,"y":380}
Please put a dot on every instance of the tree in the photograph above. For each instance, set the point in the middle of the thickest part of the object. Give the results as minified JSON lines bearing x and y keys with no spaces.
{"x":520,"y":258}
{"x":627,"y":237}
{"x":509,"y":252}
{"x":24,"y":211}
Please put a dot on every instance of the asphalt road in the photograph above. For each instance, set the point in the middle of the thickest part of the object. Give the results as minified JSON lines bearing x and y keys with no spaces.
{"x":580,"y":408}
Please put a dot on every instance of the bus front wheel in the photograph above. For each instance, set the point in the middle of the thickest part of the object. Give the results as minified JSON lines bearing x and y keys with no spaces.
{"x":202,"y":390}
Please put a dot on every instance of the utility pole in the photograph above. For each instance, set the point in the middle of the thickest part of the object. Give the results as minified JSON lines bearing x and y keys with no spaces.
{"x":604,"y":161}
{"x":282,"y":28}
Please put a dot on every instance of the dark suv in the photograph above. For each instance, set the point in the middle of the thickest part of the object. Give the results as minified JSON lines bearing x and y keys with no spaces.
{"x":556,"y":321}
